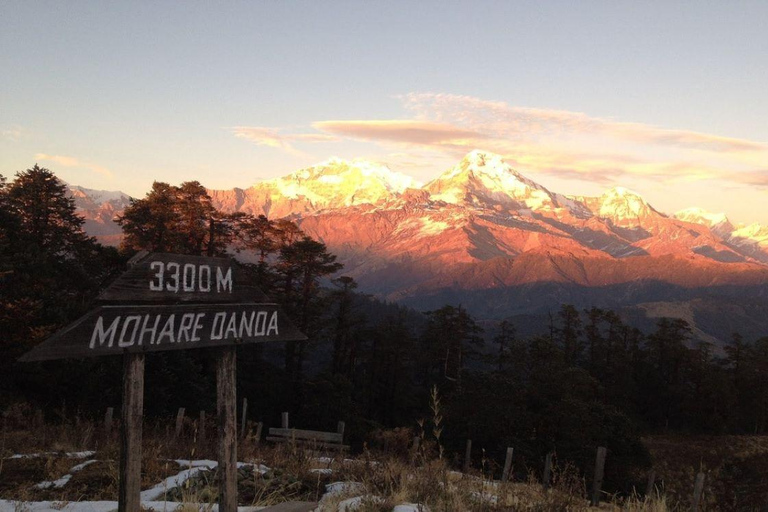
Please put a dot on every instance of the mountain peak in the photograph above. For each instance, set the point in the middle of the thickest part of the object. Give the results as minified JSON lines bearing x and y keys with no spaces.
{"x":697,"y":215}
{"x":333,"y":183}
{"x":485,"y":179}
{"x":625,"y":207}
{"x":359,"y":173}
{"x":622,"y":192}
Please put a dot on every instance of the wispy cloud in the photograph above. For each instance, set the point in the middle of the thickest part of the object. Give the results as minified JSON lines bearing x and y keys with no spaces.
{"x":501,"y":118}
{"x":273,"y":137}
{"x":570,"y":145}
{"x":72,"y":162}
{"x":560,"y":143}
{"x":401,"y":130}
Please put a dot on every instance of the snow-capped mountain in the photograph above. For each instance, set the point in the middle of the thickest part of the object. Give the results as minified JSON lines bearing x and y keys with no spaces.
{"x":484,"y":235}
{"x":717,"y":222}
{"x":335,"y":183}
{"x":484,"y":179}
{"x":99,"y":208}
{"x":481,"y":225}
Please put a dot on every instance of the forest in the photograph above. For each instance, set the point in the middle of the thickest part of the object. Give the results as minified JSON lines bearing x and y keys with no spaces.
{"x":592,"y":380}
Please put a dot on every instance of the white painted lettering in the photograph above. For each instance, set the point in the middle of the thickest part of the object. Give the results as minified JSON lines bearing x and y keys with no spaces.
{"x":261,"y":323}
{"x":204,"y":282}
{"x":217,"y":329}
{"x":272,"y":324}
{"x":157,"y":286}
{"x":198,"y":325}
{"x":145,"y":330}
{"x":246,"y":324}
{"x":231,"y":327}
{"x":175,"y":275}
{"x":223,"y":281}
{"x":102,"y":335}
{"x":167,"y":330}
{"x":188,"y":281}
{"x":122,"y":342}
{"x":187,"y":320}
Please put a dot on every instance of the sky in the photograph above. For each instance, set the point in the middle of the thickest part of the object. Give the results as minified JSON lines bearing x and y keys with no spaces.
{"x":667,"y":98}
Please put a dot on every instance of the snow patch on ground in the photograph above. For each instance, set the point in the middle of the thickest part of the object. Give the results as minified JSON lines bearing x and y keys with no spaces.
{"x":102,"y":506}
{"x":193,"y":468}
{"x":69,"y":455}
{"x":410,"y":507}
{"x":61,"y":482}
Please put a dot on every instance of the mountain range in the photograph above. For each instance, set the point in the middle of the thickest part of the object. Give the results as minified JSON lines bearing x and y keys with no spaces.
{"x":483,"y":235}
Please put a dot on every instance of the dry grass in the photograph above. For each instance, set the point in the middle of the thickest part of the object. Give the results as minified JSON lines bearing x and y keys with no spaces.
{"x":735,"y":468}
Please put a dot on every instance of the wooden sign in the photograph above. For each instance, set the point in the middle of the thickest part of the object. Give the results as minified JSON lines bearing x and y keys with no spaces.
{"x":172,"y":302}
{"x":110,"y":330}
{"x":176,"y":278}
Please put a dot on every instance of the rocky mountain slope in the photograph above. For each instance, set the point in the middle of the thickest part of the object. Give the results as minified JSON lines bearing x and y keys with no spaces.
{"x":99,"y":208}
{"x":484,"y":235}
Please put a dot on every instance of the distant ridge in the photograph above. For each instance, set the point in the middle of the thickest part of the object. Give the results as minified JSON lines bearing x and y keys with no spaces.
{"x":482,"y":226}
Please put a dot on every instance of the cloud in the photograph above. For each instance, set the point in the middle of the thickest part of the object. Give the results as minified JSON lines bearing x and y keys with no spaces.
{"x":69,"y":161}
{"x":564,"y":144}
{"x":756,"y":178}
{"x":272,"y":137}
{"x":569,"y":145}
{"x":397,"y":130}
{"x":503,"y":118}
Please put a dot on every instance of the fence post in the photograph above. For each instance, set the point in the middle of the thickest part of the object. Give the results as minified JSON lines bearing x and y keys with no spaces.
{"x":547,"y":470}
{"x":507,"y":465}
{"x":201,"y":427}
{"x":108,"y":420}
{"x":259,"y":426}
{"x":698,"y":490}
{"x":597,"y":484}
{"x":285,"y":420}
{"x":242,"y":422}
{"x":649,"y":488}
{"x":340,"y":428}
{"x":468,"y":456}
{"x":179,"y":422}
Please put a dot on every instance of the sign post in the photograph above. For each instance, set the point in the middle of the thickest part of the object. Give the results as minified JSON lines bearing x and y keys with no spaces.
{"x":226,"y":409}
{"x":173,"y":302}
{"x":130,"y":433}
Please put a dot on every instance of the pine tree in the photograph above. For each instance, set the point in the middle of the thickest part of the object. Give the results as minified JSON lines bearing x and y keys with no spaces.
{"x":300,"y":266}
{"x":505,"y":339}
{"x":346,"y":323}
{"x":449,"y":340}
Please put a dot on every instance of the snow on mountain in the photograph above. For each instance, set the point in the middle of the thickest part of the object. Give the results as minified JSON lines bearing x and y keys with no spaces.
{"x":90,"y":197}
{"x":701,"y":216}
{"x":624,"y":208}
{"x":483,"y":178}
{"x":388,"y":229}
{"x":335,"y":183}
{"x":481,"y":226}
{"x":99,"y":208}
{"x":754,"y":233}
{"x":717,"y":222}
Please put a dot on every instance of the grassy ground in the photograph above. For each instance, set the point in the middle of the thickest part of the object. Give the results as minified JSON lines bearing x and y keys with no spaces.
{"x":735,"y":468}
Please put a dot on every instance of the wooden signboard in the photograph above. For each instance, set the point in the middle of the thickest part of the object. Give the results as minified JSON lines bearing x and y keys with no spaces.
{"x":173,"y":302}
{"x":114,"y":330}
{"x":176,"y":278}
